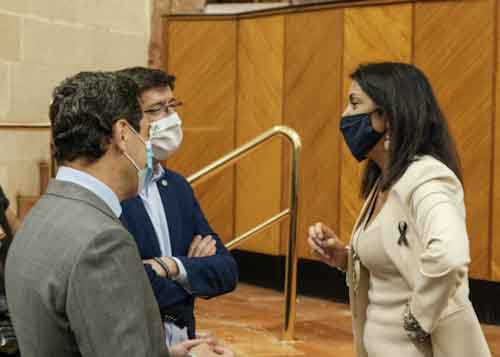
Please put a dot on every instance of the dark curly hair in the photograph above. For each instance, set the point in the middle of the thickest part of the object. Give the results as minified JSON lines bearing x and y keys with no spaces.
{"x":417,"y":124}
{"x":148,"y":78}
{"x":83,"y":110}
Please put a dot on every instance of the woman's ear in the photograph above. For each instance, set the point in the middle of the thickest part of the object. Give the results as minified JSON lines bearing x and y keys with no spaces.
{"x":379,"y":121}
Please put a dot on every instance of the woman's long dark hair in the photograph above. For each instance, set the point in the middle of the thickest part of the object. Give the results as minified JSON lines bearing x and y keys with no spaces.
{"x":417,"y":124}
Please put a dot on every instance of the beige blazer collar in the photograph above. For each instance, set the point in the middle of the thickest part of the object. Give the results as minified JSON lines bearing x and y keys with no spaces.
{"x":394,"y":212}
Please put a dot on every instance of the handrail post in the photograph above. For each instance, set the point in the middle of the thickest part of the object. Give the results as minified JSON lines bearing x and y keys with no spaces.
{"x":291,"y":259}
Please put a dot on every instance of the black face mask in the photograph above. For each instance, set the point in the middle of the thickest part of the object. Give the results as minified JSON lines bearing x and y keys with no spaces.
{"x":359,"y":134}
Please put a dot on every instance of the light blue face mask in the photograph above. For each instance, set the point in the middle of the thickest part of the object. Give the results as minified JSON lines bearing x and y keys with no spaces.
{"x":145,"y":174}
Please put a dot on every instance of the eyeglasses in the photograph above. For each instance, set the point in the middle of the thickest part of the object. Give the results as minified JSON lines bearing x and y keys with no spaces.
{"x":163,"y":107}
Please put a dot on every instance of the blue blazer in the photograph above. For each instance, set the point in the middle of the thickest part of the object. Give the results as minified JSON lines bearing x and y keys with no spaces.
{"x":208,"y":276}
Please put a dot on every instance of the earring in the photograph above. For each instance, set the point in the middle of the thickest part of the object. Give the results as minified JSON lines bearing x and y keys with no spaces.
{"x":387,"y":143}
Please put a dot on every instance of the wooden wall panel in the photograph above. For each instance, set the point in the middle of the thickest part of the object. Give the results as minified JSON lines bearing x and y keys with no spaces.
{"x":313,"y":82}
{"x":495,"y":214}
{"x":239,"y":77}
{"x":456,"y":53}
{"x":382,"y":33}
{"x":203,"y":57}
{"x":495,"y":233}
{"x":260,"y":103}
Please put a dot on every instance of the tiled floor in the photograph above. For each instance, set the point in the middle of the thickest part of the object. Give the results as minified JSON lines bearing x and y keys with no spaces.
{"x":249,"y":320}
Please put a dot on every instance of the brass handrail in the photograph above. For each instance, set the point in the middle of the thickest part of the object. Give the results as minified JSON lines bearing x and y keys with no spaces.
{"x":292,"y":211}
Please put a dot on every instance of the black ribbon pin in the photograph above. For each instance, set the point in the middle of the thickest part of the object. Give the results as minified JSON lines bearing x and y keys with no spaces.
{"x":402,"y":227}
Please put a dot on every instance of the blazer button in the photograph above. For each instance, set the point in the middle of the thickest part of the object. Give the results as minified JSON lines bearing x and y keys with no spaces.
{"x":164,"y":183}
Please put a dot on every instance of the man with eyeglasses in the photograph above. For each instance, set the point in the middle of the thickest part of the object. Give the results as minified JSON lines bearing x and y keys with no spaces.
{"x":183,"y":257}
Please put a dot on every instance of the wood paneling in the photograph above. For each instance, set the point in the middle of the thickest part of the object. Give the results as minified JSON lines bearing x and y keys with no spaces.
{"x":382,"y":33}
{"x":240,"y":76}
{"x":260,"y":103}
{"x":313,"y":82}
{"x":203,"y":57}
{"x":495,"y":234}
{"x":454,"y":47}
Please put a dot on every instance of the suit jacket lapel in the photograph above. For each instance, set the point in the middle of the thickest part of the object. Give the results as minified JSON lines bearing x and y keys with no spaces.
{"x":172,"y":211}
{"x":362,"y":213}
{"x":401,"y":255}
{"x":141,"y":215}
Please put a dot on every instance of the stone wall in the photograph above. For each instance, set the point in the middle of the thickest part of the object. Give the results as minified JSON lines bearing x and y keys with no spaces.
{"x":44,"y":41}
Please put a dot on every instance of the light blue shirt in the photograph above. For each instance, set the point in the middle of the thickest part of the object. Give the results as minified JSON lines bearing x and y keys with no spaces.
{"x":156,"y":211}
{"x":92,"y":184}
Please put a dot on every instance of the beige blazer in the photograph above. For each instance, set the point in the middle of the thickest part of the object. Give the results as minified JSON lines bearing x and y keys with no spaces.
{"x":430,"y":198}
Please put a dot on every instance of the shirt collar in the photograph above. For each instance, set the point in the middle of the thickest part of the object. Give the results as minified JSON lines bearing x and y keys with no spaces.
{"x":160,"y":171}
{"x":157,"y":175}
{"x":92,"y":184}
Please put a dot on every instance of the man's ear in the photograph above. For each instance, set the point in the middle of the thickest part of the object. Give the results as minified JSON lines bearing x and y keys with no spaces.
{"x":121,"y":133}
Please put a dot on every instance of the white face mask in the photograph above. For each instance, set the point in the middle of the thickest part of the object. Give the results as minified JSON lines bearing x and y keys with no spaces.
{"x":166,"y":136}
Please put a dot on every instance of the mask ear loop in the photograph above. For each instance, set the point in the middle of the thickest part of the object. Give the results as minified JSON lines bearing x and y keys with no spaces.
{"x":136,"y":133}
{"x":131,"y":161}
{"x":126,"y":153}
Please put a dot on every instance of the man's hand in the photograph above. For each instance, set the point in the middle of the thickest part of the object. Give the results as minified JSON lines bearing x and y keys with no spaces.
{"x":206,"y":350}
{"x":172,"y":267}
{"x":202,"y":247}
{"x":181,"y":349}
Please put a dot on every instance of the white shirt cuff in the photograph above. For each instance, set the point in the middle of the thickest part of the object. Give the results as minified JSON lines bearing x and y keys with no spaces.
{"x":182,"y":278}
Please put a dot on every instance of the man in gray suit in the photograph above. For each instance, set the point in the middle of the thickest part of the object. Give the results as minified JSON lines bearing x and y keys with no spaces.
{"x":75,"y":282}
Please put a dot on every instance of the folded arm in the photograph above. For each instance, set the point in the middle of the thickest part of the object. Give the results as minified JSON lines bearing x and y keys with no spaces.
{"x":211,"y":275}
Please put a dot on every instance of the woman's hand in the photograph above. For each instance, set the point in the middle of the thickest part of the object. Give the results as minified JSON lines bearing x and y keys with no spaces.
{"x":325,"y":244}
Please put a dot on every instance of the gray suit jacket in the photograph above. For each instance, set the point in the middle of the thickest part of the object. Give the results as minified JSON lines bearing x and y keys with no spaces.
{"x":75,"y":282}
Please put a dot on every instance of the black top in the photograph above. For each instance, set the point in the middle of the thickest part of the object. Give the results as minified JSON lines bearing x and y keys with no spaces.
{"x":4,"y":201}
{"x":5,"y":243}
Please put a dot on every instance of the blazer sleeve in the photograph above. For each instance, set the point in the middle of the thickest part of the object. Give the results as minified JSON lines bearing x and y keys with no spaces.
{"x":110,"y":306}
{"x":209,"y":276}
{"x":439,"y":215}
{"x":168,"y":293}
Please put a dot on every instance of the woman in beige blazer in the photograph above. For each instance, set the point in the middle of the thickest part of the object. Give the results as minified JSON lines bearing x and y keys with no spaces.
{"x":407,"y":261}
